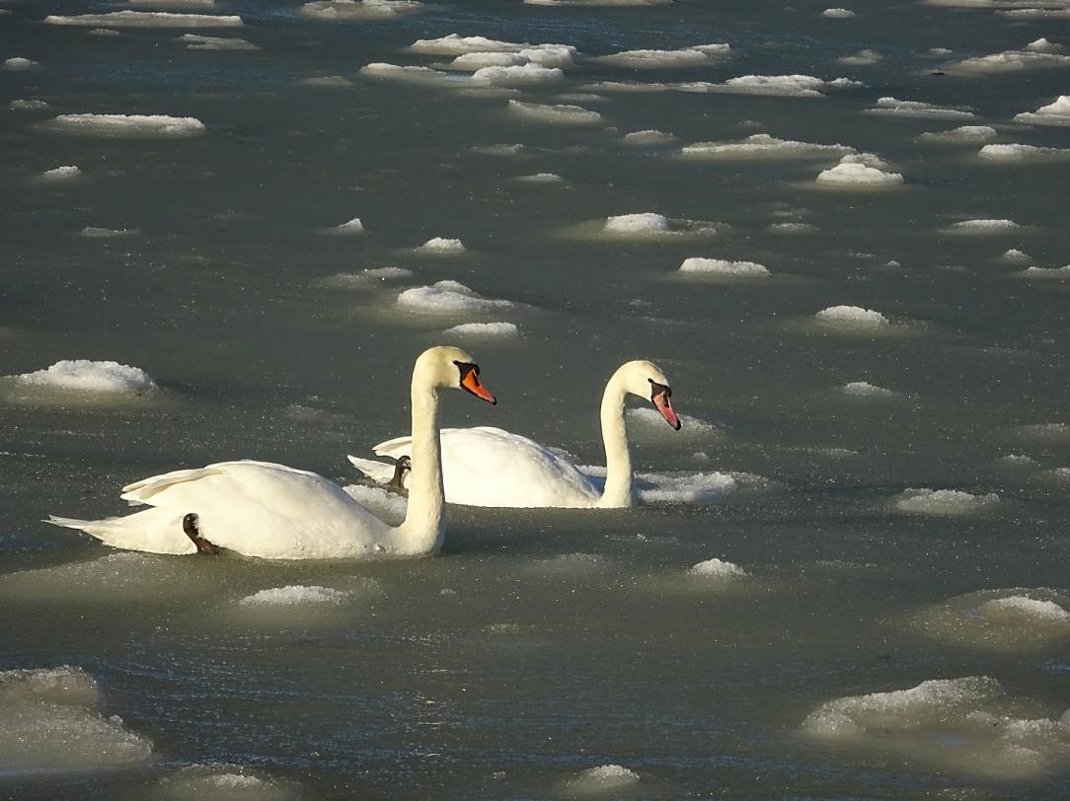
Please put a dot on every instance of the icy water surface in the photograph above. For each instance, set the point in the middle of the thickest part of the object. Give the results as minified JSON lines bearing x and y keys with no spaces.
{"x":229,"y":227}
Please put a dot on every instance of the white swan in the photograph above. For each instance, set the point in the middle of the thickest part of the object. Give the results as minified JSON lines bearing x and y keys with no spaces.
{"x":276,"y":512}
{"x":486,"y":466}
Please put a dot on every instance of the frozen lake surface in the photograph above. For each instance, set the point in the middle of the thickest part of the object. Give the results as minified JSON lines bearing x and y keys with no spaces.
{"x":230,"y":226}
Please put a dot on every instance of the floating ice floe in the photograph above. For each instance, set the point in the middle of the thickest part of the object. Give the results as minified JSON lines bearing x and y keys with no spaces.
{"x":327,"y":82}
{"x":837,"y":13}
{"x":1015,"y":256}
{"x":791,"y":228}
{"x":650,"y":225}
{"x":860,"y":171}
{"x":540,"y":178}
{"x":1055,"y":113}
{"x":967,"y":724}
{"x":222,"y":783}
{"x":1018,"y":154}
{"x":648,"y":426}
{"x":1042,"y":45}
{"x":195,"y":41}
{"x":696,"y":55}
{"x":1009,"y":61}
{"x":413,"y":74}
{"x":295,"y":595}
{"x":561,"y":114}
{"x":443,"y":246}
{"x":648,"y":137}
{"x":866,"y":390}
{"x":448,"y":297}
{"x":98,"y":232}
{"x":522,"y":75}
{"x":771,"y":85}
{"x":19,"y":64}
{"x":349,"y":228}
{"x":134,"y":126}
{"x":60,"y":174}
{"x":966,"y":134}
{"x":717,"y":568}
{"x":604,"y":778}
{"x":1016,"y":619}
{"x":982,"y":227}
{"x":760,"y":146}
{"x":49,"y":723}
{"x":852,"y":317}
{"x":698,"y":265}
{"x":483,"y":330}
{"x":944,"y":502}
{"x":456,"y":45}
{"x":27,"y":105}
{"x":1034,"y":13}
{"x":147,"y":19}
{"x":91,"y":377}
{"x":914,"y":108}
{"x":472,"y":62}
{"x":359,"y":10}
{"x":1058,"y":273}
{"x":683,"y":487}
{"x":597,"y":3}
{"x":862,"y":58}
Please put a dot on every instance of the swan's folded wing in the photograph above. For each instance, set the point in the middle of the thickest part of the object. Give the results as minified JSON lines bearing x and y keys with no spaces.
{"x":379,"y":472}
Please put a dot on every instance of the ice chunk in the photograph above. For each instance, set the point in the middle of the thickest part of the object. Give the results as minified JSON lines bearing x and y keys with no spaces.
{"x":641,"y":224}
{"x":943,"y":502}
{"x":60,"y":174}
{"x":697,"y":55}
{"x":862,"y":58}
{"x":483,"y":330}
{"x":27,"y":105}
{"x":195,"y":41}
{"x":19,"y":64}
{"x":837,"y":13}
{"x":1018,"y":154}
{"x":562,"y":114}
{"x":85,"y":376}
{"x":442,"y":245}
{"x":222,"y":783}
{"x":983,"y":226}
{"x":852,"y":317}
{"x":295,"y":595}
{"x":913,"y":108}
{"x":967,"y":134}
{"x":866,"y":389}
{"x":770,"y":85}
{"x":524,"y":74}
{"x":697,"y":265}
{"x":349,"y":228}
{"x":49,"y":723}
{"x":447,"y":297}
{"x":761,"y":146}
{"x":1055,"y":113}
{"x":648,"y":137}
{"x":359,"y":10}
{"x":717,"y":568}
{"x":862,"y":170}
{"x":966,"y":724}
{"x":604,"y":778}
{"x":540,"y":178}
{"x":1008,"y":61}
{"x":147,"y":19}
{"x":147,"y":126}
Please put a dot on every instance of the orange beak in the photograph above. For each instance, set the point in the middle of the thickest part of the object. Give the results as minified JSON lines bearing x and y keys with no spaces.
{"x":470,"y":381}
{"x":664,"y":405}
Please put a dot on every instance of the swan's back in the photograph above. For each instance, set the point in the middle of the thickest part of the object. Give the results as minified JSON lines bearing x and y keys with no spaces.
{"x":265,"y":509}
{"x":486,"y":466}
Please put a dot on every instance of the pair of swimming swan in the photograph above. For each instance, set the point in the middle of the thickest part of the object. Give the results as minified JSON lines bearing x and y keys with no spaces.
{"x":272,"y":511}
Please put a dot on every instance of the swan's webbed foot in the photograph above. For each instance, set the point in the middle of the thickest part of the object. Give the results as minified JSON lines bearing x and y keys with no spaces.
{"x":189,"y":526}
{"x":402,"y":466}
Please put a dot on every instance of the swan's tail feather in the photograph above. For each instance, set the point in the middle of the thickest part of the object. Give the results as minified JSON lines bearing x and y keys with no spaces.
{"x":153,"y":530}
{"x":393,"y":448}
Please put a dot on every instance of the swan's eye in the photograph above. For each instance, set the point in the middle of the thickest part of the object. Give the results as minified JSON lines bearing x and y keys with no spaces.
{"x":658,"y":389}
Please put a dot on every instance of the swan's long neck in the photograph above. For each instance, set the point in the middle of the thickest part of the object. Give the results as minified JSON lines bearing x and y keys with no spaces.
{"x":618,"y":490}
{"x":424,"y":528}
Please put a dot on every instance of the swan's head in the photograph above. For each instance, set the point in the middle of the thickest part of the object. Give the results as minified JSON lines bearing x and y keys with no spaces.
{"x":646,"y":380}
{"x":447,"y":366}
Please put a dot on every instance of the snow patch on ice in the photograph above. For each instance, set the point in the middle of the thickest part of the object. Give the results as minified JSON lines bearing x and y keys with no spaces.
{"x":761,"y":146}
{"x":1055,"y":113}
{"x":966,"y":134}
{"x":860,"y":171}
{"x":147,"y":19}
{"x":147,"y":126}
{"x":696,"y":55}
{"x":913,"y":108}
{"x":1017,"y":154}
{"x":854,"y":317}
{"x":442,"y":246}
{"x":717,"y":568}
{"x":359,"y":10}
{"x":295,"y":595}
{"x":84,"y":376}
{"x":697,"y":265}
{"x":561,"y":114}
{"x":483,"y":330}
{"x":866,"y":389}
{"x":448,"y":297}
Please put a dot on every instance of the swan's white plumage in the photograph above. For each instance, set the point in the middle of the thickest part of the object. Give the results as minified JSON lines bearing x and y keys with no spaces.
{"x":277,"y":512}
{"x":486,"y":466}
